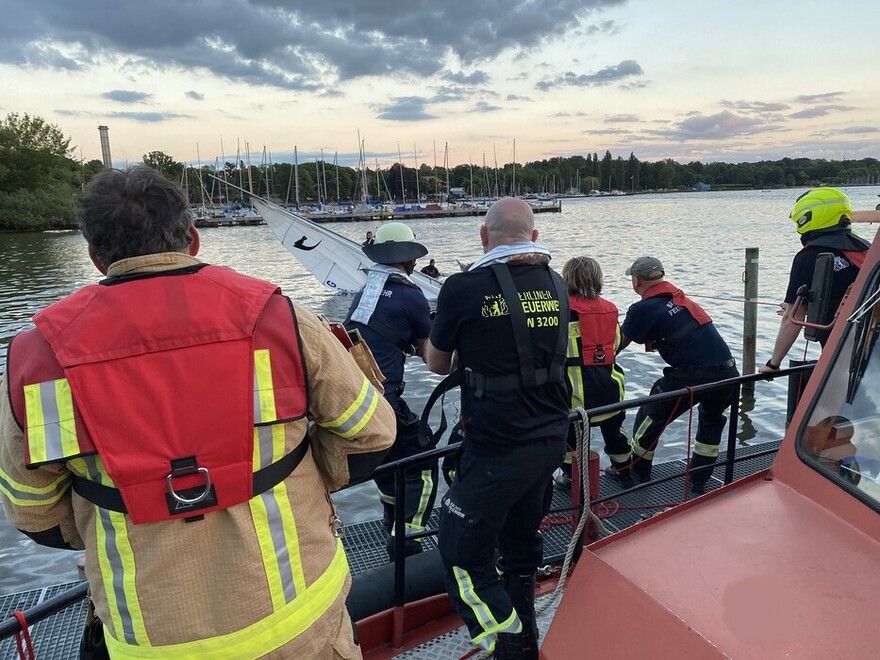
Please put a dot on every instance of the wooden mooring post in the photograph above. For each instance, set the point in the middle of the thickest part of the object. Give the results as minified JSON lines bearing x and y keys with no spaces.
{"x":750,"y":315}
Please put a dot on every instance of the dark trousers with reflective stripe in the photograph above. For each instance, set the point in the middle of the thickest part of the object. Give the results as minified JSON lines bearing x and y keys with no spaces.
{"x":653,"y":417}
{"x":495,"y":501}
{"x":421,"y":481}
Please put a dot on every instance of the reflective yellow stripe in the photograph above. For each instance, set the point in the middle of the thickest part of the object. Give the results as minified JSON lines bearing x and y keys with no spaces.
{"x":26,"y":495}
{"x":91,"y":467}
{"x":418,"y":521}
{"x":482,"y":613}
{"x":264,"y":391}
{"x":255,"y":640}
{"x":274,"y":523}
{"x":118,"y":572}
{"x":51,"y":429}
{"x":648,"y":455}
{"x":617,"y":377}
{"x":703,"y":449}
{"x":356,"y":416}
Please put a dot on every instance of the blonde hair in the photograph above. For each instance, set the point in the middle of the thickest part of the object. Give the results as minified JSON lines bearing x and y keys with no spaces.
{"x":583,"y":277}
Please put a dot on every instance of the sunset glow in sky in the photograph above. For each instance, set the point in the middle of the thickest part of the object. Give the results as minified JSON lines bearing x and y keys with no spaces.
{"x":688,"y":80}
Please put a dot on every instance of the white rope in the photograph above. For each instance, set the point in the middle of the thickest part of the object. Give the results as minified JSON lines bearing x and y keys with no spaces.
{"x":582,"y":450}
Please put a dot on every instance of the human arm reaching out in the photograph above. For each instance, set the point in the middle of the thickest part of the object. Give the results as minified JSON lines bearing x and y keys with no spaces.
{"x":785,"y":339}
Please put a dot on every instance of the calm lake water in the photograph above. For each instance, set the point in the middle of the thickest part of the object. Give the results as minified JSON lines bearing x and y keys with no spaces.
{"x":699,"y":237}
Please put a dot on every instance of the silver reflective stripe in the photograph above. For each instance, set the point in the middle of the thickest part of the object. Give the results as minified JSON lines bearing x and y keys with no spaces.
{"x":258,"y":409}
{"x":358,"y":415}
{"x":279,"y":542}
{"x":264,"y":437}
{"x":470,"y":598}
{"x":51,"y":421}
{"x":48,"y":495}
{"x":116,"y":567}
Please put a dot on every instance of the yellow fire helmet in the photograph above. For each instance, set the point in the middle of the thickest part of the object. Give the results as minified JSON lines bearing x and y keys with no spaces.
{"x":821,"y":208}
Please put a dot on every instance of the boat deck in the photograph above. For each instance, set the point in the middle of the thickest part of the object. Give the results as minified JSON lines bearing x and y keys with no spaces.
{"x":58,"y":636}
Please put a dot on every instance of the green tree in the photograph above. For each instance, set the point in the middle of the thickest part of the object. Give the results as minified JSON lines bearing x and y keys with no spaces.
{"x":39,"y":183}
{"x":164,"y":163}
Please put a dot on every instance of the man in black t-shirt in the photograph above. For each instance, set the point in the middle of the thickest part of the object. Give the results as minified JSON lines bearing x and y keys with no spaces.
{"x":822,"y":217}
{"x":393,"y":316}
{"x":503,"y":326}
{"x":669,"y":322}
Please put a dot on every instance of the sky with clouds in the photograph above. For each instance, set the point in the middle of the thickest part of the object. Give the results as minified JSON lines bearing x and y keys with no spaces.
{"x":688,"y":80}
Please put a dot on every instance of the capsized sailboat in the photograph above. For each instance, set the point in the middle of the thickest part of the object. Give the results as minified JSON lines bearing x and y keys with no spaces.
{"x":337,"y":262}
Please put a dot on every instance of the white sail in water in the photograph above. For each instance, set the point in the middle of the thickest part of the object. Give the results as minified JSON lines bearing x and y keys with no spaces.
{"x":337,"y":262}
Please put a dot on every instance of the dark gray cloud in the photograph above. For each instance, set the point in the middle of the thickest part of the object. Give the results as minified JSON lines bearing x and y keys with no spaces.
{"x":291,"y":44}
{"x":197,"y":96}
{"x":126,"y":96}
{"x":621,"y":119}
{"x":856,"y":130}
{"x":409,"y":108}
{"x":606,"y":76}
{"x":827,"y":97}
{"x":485,"y":106}
{"x":475,"y":78}
{"x":147,"y":117}
{"x":719,"y":126}
{"x":819,"y":111}
{"x":754,"y":106}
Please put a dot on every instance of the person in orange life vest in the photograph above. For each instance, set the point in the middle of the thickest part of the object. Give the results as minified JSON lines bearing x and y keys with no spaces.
{"x":180,"y":394}
{"x":669,"y":322}
{"x":431,"y":270}
{"x":595,"y":377}
{"x":822,"y":217}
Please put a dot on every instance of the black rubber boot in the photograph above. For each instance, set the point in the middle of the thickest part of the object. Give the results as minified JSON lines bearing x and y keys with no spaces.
{"x":621,"y":473}
{"x":700,"y":474}
{"x":509,"y":646}
{"x":521,"y":589}
{"x":641,"y":470}
{"x":410,"y":547}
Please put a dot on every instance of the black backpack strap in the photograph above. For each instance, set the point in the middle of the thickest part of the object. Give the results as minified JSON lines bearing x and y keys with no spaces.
{"x":426,"y":438}
{"x":518,"y":323}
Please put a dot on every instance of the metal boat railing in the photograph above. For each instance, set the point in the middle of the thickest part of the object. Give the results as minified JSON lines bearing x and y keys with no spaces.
{"x":10,"y":625}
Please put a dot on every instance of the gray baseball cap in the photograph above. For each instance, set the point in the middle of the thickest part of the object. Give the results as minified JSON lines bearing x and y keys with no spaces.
{"x":646,"y":268}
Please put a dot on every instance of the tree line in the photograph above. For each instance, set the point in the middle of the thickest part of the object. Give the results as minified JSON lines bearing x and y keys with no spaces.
{"x":41,"y":181}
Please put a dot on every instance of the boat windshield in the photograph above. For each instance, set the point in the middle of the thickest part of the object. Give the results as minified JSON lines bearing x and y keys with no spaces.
{"x":842,"y":438}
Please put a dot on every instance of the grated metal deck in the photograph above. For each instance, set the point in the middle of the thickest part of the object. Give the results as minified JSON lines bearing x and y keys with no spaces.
{"x":57,"y":637}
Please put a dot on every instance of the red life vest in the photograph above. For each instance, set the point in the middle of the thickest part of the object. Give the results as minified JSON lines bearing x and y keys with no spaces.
{"x":168,"y":374}
{"x":597,"y":318}
{"x":678,"y":298}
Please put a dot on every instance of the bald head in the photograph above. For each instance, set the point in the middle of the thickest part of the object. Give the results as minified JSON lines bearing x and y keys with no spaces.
{"x":509,"y":220}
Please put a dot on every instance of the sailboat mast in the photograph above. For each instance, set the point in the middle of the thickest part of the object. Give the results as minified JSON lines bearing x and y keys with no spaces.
{"x":513,"y":183}
{"x":247,"y":148}
{"x":336,"y":164}
{"x":225,"y":180}
{"x":436,"y":178}
{"x":402,"y":189}
{"x":446,"y":165}
{"x":201,"y":185}
{"x":416,"y":164}
{"x":296,"y":177}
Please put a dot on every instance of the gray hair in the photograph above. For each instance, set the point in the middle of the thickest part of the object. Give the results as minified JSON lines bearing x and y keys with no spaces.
{"x":583,"y":277}
{"x":129,"y":213}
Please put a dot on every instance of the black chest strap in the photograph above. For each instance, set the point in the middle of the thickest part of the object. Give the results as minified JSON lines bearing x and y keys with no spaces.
{"x":107,"y":497}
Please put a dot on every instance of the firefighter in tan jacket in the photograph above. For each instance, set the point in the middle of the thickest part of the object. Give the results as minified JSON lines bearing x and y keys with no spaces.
{"x":160,"y":420}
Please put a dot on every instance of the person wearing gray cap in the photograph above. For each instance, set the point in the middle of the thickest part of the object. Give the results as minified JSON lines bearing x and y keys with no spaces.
{"x":669,"y":322}
{"x":393,"y":316}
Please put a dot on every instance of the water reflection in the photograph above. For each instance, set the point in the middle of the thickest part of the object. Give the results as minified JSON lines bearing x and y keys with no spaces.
{"x":700,"y":237}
